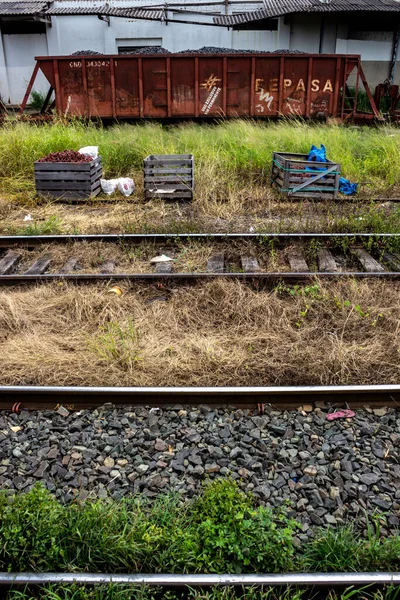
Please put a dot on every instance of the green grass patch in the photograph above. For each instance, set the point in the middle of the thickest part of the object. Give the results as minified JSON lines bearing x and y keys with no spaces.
{"x":232,"y":151}
{"x":121,"y":592}
{"x":222,"y":530}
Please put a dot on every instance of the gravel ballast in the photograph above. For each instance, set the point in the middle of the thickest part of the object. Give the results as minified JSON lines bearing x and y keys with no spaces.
{"x":329,"y":472}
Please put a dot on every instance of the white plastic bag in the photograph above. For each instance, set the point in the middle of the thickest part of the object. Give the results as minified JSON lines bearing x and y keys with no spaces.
{"x":109,"y":186}
{"x":126,"y":185}
{"x":92,"y":151}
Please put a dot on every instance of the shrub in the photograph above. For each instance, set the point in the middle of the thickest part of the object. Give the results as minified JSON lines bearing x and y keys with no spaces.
{"x":235,"y":536}
{"x":37,"y":100}
{"x":30,"y":531}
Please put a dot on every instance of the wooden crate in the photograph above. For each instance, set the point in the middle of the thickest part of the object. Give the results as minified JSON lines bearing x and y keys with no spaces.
{"x":68,"y":179}
{"x":292,"y":175}
{"x":169,"y":176}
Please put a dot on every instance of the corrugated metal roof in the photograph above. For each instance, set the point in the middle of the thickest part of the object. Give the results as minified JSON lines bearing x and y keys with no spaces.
{"x":11,"y":9}
{"x":129,"y":13}
{"x":136,"y":13}
{"x":277,"y":8}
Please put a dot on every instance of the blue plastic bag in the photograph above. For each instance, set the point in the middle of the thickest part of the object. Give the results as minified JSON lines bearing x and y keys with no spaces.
{"x":347,"y":188}
{"x":319,"y":155}
{"x":316,"y":155}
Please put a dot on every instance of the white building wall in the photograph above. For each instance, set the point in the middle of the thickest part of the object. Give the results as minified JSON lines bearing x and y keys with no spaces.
{"x":329,"y":34}
{"x":256,"y":40}
{"x":305,"y":33}
{"x":70,"y":33}
{"x":4,"y":89}
{"x":375,"y":48}
{"x":19,"y":53}
{"x":370,"y":49}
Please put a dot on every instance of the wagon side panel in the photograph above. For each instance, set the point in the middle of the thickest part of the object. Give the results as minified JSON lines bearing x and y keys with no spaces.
{"x":294,"y":85}
{"x":127,"y":87}
{"x":211,"y":86}
{"x":324,"y":75}
{"x":266,"y":86}
{"x":155,"y":87}
{"x":183,"y":86}
{"x":238,"y":86}
{"x":71,"y":97}
{"x":99,"y":87}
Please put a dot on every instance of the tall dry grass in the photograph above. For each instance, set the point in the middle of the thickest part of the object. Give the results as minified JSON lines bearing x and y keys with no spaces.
{"x":217,"y":333}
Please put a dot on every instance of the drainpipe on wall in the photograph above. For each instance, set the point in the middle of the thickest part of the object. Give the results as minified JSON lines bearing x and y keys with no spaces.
{"x":395,"y":52}
{"x":322,"y":35}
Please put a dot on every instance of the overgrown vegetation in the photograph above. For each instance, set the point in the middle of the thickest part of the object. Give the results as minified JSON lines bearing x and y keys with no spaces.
{"x":220,"y":531}
{"x":232,"y":176}
{"x":227,"y":155}
{"x":121,"y":592}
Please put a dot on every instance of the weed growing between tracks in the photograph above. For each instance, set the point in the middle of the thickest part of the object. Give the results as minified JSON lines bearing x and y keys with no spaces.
{"x":269,"y":215}
{"x":220,"y":531}
{"x":214,"y":333}
{"x":120,"y":592}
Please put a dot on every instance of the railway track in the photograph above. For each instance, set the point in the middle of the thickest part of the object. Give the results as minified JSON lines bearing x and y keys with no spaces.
{"x":307,"y":580}
{"x":88,"y":258}
{"x":17,"y":398}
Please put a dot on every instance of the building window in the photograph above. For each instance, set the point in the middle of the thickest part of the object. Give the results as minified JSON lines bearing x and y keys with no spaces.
{"x":129,"y":49}
{"x":21,"y":26}
{"x":261,"y":25}
{"x":125,"y":46}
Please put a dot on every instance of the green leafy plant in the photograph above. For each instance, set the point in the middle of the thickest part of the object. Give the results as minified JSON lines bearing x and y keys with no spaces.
{"x":30,"y":531}
{"x":37,"y":99}
{"x":233,"y":534}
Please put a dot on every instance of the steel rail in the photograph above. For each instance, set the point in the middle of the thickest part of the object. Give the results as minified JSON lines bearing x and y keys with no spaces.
{"x":308,"y":390}
{"x":265,"y":276}
{"x":285,"y":579}
{"x":10,"y":240}
{"x":285,"y":397}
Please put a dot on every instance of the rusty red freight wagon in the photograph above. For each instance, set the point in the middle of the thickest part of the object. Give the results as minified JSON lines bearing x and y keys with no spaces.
{"x":203,"y":85}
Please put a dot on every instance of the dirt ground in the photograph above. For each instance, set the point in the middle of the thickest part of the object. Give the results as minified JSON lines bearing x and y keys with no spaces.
{"x":262,"y":211}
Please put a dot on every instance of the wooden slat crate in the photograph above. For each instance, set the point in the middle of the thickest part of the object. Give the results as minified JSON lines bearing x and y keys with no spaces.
{"x":169,"y":176}
{"x":292,"y":175}
{"x":68,"y":179}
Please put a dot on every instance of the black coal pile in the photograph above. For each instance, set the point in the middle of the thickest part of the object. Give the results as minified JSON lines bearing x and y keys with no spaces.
{"x":147,"y":50}
{"x":217,"y":50}
{"x":86,"y":52}
{"x":287,"y":51}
